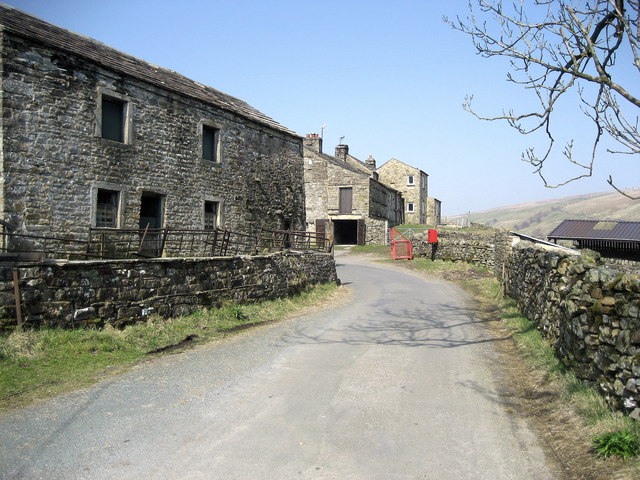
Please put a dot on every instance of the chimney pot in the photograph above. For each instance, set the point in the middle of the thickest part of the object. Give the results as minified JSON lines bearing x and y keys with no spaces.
{"x":313,"y":142}
{"x":371,"y":162}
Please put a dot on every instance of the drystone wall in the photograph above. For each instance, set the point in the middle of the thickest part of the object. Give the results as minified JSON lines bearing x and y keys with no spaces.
{"x":589,"y":310}
{"x":72,"y":294}
{"x":486,"y":247}
{"x":376,"y":231}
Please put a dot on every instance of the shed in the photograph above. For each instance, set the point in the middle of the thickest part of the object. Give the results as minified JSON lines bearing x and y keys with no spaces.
{"x":611,"y":238}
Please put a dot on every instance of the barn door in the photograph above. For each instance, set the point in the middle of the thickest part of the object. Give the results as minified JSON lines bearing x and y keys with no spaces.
{"x":346,"y":201}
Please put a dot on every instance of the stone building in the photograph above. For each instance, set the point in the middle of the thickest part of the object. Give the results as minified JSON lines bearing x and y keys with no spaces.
{"x":413,"y":183}
{"x":93,"y":137}
{"x":344,"y":198}
{"x":434,"y":211}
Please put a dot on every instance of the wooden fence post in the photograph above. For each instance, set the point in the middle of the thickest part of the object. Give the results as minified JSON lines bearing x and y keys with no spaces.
{"x":16,"y":293}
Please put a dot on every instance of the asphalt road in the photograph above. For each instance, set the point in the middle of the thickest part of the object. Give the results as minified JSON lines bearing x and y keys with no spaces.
{"x":399,"y":383}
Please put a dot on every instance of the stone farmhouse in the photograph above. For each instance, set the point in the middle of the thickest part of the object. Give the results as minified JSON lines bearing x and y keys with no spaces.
{"x":413,"y":183}
{"x":93,"y":137}
{"x":344,"y":198}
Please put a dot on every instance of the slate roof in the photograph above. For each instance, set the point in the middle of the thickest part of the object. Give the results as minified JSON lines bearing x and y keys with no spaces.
{"x":26,"y":25}
{"x":364,"y":171}
{"x":596,"y":230}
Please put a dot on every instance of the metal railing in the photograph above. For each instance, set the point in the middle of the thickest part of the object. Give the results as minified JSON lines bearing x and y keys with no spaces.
{"x":293,"y":240}
{"x":410,"y":232}
{"x":103,"y":243}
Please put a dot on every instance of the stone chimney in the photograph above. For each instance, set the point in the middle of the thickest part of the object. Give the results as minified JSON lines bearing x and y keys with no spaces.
{"x":371,"y":162}
{"x":342,"y":151}
{"x":313,"y":142}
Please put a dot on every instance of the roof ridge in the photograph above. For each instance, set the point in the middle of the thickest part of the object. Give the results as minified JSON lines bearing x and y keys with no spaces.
{"x":25,"y":24}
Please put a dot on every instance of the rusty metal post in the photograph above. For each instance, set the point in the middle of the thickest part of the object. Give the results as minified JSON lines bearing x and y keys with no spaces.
{"x":16,"y":293}
{"x":215,"y":242}
{"x":144,"y":235}
{"x":165,"y":234}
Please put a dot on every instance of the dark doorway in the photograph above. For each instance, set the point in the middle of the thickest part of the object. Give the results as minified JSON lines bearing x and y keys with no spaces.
{"x":150,"y":225}
{"x":150,"y":211}
{"x":345,"y":232}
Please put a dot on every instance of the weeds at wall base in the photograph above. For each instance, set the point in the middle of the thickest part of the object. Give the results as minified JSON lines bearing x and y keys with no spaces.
{"x":622,"y":443}
{"x":38,"y":364}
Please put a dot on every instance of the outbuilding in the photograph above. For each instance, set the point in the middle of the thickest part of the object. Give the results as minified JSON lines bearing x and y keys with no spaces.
{"x":611,"y":238}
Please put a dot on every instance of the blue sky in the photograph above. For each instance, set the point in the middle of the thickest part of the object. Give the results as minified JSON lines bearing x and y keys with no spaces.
{"x":389,"y":76}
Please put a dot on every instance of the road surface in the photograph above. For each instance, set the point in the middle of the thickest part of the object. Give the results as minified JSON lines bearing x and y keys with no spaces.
{"x":398,"y":383}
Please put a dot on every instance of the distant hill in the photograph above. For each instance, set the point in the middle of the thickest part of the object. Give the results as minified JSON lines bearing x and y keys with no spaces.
{"x":539,"y":218}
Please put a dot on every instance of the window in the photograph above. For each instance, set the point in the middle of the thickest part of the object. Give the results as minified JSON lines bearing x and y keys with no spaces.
{"x":211,"y":215}
{"x":113,"y":116}
{"x":210,"y":140}
{"x":113,"y":119}
{"x":107,"y":203}
{"x":411,"y":207}
{"x":410,"y":180}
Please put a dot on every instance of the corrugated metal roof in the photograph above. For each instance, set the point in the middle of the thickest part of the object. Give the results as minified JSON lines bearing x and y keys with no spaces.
{"x":31,"y":27}
{"x":596,"y":230}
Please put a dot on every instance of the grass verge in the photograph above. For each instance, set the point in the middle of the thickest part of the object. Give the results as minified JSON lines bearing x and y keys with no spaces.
{"x":382,"y":250}
{"x":37,"y":364}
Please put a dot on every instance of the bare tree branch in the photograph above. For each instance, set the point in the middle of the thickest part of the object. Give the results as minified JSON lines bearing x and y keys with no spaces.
{"x":622,"y":192}
{"x":559,"y":46}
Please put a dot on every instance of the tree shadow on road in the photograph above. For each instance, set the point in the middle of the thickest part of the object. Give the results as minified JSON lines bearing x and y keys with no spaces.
{"x":441,"y":325}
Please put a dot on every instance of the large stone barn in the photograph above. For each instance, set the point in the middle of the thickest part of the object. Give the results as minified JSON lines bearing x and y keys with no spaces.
{"x":93,"y":137}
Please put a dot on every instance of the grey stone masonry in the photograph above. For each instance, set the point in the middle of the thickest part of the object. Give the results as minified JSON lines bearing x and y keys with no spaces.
{"x":55,"y":160}
{"x":486,"y":247}
{"x":70,"y":294}
{"x":589,"y":312}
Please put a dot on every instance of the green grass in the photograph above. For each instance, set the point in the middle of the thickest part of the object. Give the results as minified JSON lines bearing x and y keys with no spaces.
{"x":382,"y":250}
{"x":622,"y":443}
{"x":36,"y":364}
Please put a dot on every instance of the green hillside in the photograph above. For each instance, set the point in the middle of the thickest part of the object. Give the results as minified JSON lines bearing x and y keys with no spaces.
{"x":539,"y":218}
